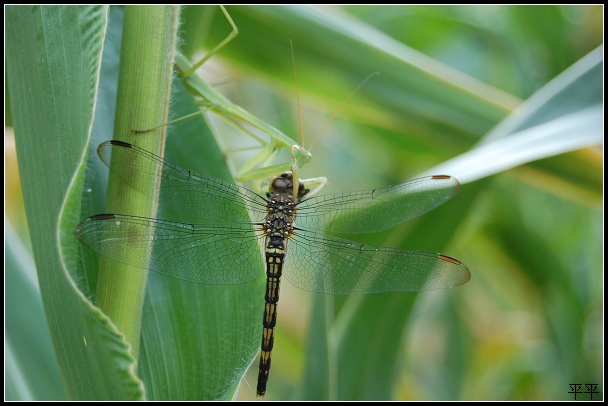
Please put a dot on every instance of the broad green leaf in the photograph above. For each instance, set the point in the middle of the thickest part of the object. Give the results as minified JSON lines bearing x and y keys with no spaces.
{"x":31,"y":367}
{"x":53,"y":68}
{"x":563,"y":116}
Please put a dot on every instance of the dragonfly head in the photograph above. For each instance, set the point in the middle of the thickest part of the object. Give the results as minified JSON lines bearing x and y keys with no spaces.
{"x":284,"y":184}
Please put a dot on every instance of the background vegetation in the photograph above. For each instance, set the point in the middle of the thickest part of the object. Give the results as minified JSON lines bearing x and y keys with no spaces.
{"x":527,"y":223}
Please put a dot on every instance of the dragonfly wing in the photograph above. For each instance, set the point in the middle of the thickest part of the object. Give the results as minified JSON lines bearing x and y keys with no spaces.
{"x":378,"y":209}
{"x":185,"y":191}
{"x":326,"y":264}
{"x":194,"y":253}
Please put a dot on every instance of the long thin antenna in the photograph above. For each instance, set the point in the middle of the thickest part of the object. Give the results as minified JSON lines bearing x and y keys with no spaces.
{"x":340,"y":108}
{"x":295,"y":76}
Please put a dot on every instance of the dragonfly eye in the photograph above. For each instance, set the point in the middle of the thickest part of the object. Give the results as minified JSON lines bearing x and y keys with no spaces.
{"x":281,"y":185}
{"x":284,"y":184}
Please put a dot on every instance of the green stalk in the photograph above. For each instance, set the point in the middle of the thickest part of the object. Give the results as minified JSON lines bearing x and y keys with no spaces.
{"x":145,"y":72}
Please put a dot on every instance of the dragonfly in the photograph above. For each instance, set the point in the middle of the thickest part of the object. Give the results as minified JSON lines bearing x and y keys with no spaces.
{"x":212,"y":251}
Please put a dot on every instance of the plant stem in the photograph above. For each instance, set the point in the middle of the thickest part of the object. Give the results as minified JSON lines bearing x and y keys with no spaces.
{"x":145,"y":72}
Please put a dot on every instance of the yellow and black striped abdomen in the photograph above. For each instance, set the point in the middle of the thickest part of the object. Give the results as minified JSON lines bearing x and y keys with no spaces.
{"x":275,"y":254}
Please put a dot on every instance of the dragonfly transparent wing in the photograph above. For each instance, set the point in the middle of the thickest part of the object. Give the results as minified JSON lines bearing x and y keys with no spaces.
{"x":314,"y":262}
{"x":194,"y":253}
{"x":212,"y":253}
{"x":374,"y":210}
{"x":326,"y":264}
{"x":185,"y":191}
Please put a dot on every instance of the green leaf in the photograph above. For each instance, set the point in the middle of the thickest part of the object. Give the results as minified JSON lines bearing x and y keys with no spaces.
{"x":563,"y":116}
{"x":31,"y":368}
{"x":53,"y":82}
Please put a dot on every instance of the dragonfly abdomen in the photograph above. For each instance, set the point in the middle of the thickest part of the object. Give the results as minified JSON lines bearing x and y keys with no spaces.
{"x":278,"y":227}
{"x":275,"y":254}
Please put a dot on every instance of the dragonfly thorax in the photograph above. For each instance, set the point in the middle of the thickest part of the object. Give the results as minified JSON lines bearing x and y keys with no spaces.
{"x":281,"y":215}
{"x":281,"y":206}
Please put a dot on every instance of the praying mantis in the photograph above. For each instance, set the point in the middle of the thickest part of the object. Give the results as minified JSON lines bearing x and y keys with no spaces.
{"x":261,"y":166}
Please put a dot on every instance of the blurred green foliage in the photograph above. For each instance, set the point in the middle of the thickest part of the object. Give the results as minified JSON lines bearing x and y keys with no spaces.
{"x":530,"y":322}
